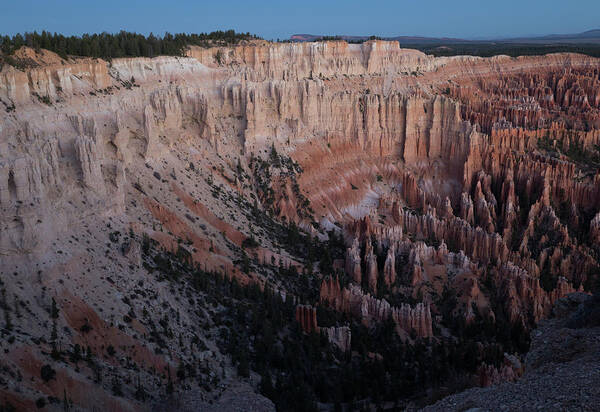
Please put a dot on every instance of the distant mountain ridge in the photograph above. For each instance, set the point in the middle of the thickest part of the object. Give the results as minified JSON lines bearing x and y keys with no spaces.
{"x":590,"y":36}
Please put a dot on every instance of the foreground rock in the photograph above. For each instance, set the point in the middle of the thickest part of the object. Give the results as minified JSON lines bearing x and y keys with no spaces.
{"x":238,"y":398}
{"x":562,"y":369}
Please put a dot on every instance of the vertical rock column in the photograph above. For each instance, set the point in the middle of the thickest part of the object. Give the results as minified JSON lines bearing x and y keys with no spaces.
{"x":89,"y":158}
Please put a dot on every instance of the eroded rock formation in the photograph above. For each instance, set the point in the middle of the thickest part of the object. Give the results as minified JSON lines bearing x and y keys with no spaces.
{"x":466,"y":191}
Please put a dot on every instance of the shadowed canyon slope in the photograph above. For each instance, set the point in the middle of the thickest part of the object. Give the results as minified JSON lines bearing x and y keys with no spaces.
{"x":401,"y":209}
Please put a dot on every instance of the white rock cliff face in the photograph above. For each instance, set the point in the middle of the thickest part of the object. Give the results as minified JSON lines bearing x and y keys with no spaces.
{"x":97,"y":122}
{"x":80,"y":129}
{"x":429,"y":167}
{"x":104,"y":119}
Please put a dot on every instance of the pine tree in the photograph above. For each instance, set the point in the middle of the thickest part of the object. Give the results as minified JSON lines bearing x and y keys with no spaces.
{"x":54,"y":310}
{"x":266,"y":385}
{"x":140,"y":392}
{"x":170,"y":387}
{"x":7,"y":321}
{"x":17,"y":308}
{"x":66,"y":405}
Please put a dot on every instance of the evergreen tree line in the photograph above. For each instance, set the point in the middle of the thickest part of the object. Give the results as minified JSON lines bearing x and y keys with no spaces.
{"x":122,"y":44}
{"x":509,"y":49}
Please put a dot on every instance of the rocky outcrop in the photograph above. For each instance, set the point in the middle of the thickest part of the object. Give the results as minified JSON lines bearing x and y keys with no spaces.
{"x":465,"y":186}
{"x":510,"y":370}
{"x":353,"y":268}
{"x":29,"y":180}
{"x":473,"y":241}
{"x":372,"y":271}
{"x":559,"y":368}
{"x":293,"y":61}
{"x":389,"y":268}
{"x":595,"y":229}
{"x":340,"y":336}
{"x":306,"y":316}
{"x":331,"y":293}
{"x":371,"y":310}
{"x":521,"y":290}
{"x":90,"y":160}
{"x":53,"y":81}
{"x":150,"y":134}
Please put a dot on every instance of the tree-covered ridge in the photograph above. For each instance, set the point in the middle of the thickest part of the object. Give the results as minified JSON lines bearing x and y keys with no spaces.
{"x":122,"y":44}
{"x":510,"y":49}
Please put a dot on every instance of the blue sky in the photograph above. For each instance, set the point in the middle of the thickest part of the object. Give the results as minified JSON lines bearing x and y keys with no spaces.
{"x":279,"y":19}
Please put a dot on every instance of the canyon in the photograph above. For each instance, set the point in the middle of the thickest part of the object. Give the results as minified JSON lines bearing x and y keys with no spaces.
{"x":453,"y":201}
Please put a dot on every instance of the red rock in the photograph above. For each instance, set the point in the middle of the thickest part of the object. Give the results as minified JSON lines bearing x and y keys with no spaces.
{"x":306,"y":316}
{"x":510,"y":370}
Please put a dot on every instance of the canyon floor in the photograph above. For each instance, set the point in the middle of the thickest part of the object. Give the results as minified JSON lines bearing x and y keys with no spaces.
{"x":298,"y":226}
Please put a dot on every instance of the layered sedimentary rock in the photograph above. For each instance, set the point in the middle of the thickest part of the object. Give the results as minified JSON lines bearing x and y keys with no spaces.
{"x":552,"y":369}
{"x":510,"y":370}
{"x":389,"y":268}
{"x":595,"y":229}
{"x":466,"y":190}
{"x":306,"y":316}
{"x":54,"y":80}
{"x":341,"y":336}
{"x":87,"y":153}
{"x":370,"y":310}
{"x":520,"y":290}
{"x":295,"y":61}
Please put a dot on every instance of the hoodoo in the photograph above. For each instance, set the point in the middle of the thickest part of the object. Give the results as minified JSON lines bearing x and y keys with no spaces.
{"x":288,"y":218}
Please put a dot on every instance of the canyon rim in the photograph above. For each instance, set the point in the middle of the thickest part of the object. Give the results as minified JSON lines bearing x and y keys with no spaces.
{"x":314,"y":225}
